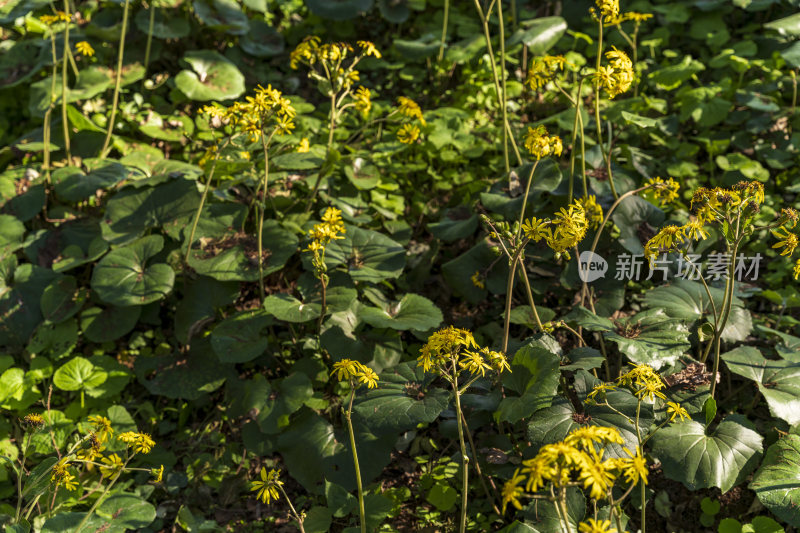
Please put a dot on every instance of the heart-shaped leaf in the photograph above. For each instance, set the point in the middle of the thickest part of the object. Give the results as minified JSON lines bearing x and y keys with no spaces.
{"x":238,"y":338}
{"x":262,"y":40}
{"x":368,"y":255}
{"x":411,"y":312}
{"x":124,"y":277}
{"x":212,"y":77}
{"x":222,"y":15}
{"x":534,"y":377}
{"x":62,"y":299}
{"x":288,"y":308}
{"x":74,"y":185}
{"x":778,"y":381}
{"x":651,"y":338}
{"x":78,"y":373}
{"x":777,"y":481}
{"x":109,"y":323}
{"x":700,"y":457}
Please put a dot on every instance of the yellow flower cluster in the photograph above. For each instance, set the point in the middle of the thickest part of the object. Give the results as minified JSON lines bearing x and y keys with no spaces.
{"x":266,"y":106}
{"x":606,"y":10}
{"x":455,"y":346}
{"x":84,"y":48}
{"x":355,"y":373}
{"x":543,"y":70}
{"x":62,"y":477}
{"x":477,"y":281}
{"x":60,"y":16}
{"x":596,"y":526}
{"x":138,"y":442}
{"x":636,"y":17}
{"x":330,"y":229}
{"x":268,"y":486}
{"x":363,"y":100}
{"x":409,"y":132}
{"x":617,"y":77}
{"x":564,"y":231}
{"x":102,"y":426}
{"x":594,"y":213}
{"x":664,"y":191}
{"x":33,"y":421}
{"x":579,"y":457}
{"x":540,"y":144}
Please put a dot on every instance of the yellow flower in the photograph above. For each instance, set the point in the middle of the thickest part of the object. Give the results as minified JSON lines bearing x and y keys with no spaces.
{"x":597,"y":478}
{"x":623,"y":73}
{"x":637,"y":17}
{"x":695,"y":230}
{"x":84,"y":48}
{"x":663,"y":241}
{"x":60,"y":16}
{"x":585,"y":437}
{"x":368,"y":49}
{"x":796,"y":271}
{"x":113,"y":465}
{"x":158,"y":473}
{"x":139,"y":442}
{"x":540,"y":144}
{"x":408,"y":133}
{"x":635,"y":467}
{"x":645,"y":382}
{"x":332,"y":215}
{"x":305,"y":52}
{"x":345,"y":369}
{"x":608,"y":8}
{"x":363,"y":102}
{"x":473,"y":363}
{"x":103,"y":427}
{"x":268,"y":486}
{"x":675,"y":410}
{"x":599,"y":390}
{"x":409,"y":108}
{"x":512,"y":491}
{"x":596,"y":526}
{"x":303,"y":146}
{"x":536,"y":229}
{"x":33,"y":421}
{"x":544,"y":70}
{"x":497,"y":360}
{"x":477,"y":281}
{"x":594,"y":213}
{"x":787,"y":240}
{"x":368,"y":377}
{"x":443,"y":346}
{"x":570,"y":226}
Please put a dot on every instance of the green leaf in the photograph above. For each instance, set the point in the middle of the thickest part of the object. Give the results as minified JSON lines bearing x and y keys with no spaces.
{"x":262,"y":40}
{"x":123,"y":512}
{"x":455,"y":224}
{"x":539,"y":35}
{"x":338,"y":9}
{"x":288,"y":308}
{"x":777,"y":481}
{"x":289,"y":396}
{"x":221,"y":15}
{"x":340,"y":502}
{"x":702,"y":458}
{"x":213,"y":77}
{"x":317,"y":520}
{"x":78,"y":373}
{"x":778,"y":381}
{"x":789,"y":26}
{"x":165,"y":26}
{"x":642,"y":122}
{"x":238,"y":338}
{"x":651,"y":338}
{"x":109,"y":323}
{"x":710,"y":410}
{"x":534,"y":377}
{"x":367,"y":255}
{"x":411,"y":312}
{"x":74,"y":185}
{"x":62,"y":298}
{"x":671,"y":77}
{"x":442,"y":496}
{"x":402,"y":400}
{"x":629,"y":217}
{"x":124,"y":277}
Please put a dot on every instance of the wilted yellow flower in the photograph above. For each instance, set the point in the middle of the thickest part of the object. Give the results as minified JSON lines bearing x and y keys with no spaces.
{"x":158,"y":473}
{"x":796,"y":271}
{"x":33,"y":421}
{"x":408,"y":133}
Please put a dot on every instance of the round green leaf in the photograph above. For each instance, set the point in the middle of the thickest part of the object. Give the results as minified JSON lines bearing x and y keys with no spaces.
{"x":702,"y":458}
{"x":651,"y":338}
{"x":62,"y":299}
{"x":534,"y":378}
{"x":411,"y":312}
{"x":288,"y":308}
{"x":109,"y":323}
{"x":212,"y":77}
{"x":238,"y":338}
{"x":262,"y":40}
{"x":123,"y":277}
{"x":222,"y":15}
{"x":402,"y":400}
{"x":776,"y":483}
{"x":338,"y":9}
{"x":123,"y":512}
{"x":73,"y":184}
{"x":78,"y":373}
{"x":395,"y":11}
{"x":539,"y":35}
{"x":367,"y":255}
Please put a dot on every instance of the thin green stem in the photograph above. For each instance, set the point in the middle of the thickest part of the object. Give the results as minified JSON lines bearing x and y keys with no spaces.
{"x":509,"y":289}
{"x":149,"y":44}
{"x":331,"y":128}
{"x":576,"y":103}
{"x":530,"y":296}
{"x":444,"y":30}
{"x":64,"y":121}
{"x":103,"y":495}
{"x":294,"y":512}
{"x":261,"y":208}
{"x":48,"y":115}
{"x":525,"y":198}
{"x":598,"y":120}
{"x":347,"y":415}
{"x":462,"y":524}
{"x":117,"y":80}
{"x":503,"y":97}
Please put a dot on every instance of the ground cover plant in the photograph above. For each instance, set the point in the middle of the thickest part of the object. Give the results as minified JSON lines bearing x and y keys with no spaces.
{"x":399,"y":265}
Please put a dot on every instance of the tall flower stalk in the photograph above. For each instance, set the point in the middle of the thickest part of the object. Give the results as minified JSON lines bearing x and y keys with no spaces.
{"x":117,"y":80}
{"x":356,"y":374}
{"x":330,"y":229}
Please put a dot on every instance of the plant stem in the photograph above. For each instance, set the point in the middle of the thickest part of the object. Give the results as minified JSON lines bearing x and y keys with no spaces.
{"x":444,"y":30}
{"x":103,"y":495}
{"x":19,"y":476}
{"x":117,"y":80}
{"x":294,"y":512}
{"x":530,"y":296}
{"x":503,"y":97}
{"x":478,"y":467}
{"x":331,"y":128}
{"x":509,"y":289}
{"x":64,"y":121}
{"x":261,"y":209}
{"x":203,"y":201}
{"x":462,"y":524}
{"x":324,"y":282}
{"x":149,"y":44}
{"x":606,"y":155}
{"x":525,"y":198}
{"x":347,"y":416}
{"x":46,"y":133}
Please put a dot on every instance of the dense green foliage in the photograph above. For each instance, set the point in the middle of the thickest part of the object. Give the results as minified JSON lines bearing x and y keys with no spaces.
{"x":247,"y":245}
